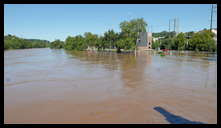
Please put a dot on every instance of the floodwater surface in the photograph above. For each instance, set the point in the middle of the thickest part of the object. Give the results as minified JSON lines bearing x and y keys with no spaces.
{"x":58,"y":86}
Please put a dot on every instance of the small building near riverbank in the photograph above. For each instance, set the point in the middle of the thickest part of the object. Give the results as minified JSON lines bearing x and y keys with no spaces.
{"x":215,"y":34}
{"x":157,"y":38}
{"x":144,"y":42}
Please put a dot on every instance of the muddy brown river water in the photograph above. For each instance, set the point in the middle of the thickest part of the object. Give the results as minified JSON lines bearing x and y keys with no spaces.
{"x":58,"y":86}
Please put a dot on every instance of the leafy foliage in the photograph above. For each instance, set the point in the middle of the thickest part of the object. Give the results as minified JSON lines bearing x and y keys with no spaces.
{"x":156,"y":44}
{"x":110,"y":37}
{"x":13,"y":42}
{"x":133,"y":28}
{"x":76,"y":43}
{"x":179,"y":42}
{"x":167,"y":44}
{"x":199,"y":41}
{"x":164,"y":34}
{"x":129,"y":33}
{"x":91,"y":39}
{"x":126,"y":43}
{"x":57,"y":44}
{"x":202,"y":41}
{"x":126,"y":39}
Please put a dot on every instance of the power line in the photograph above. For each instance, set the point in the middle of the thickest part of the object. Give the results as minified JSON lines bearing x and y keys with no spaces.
{"x":177,"y":26}
{"x":211,"y":21}
{"x":213,"y":10}
{"x":151,"y":28}
{"x":169,"y":25}
{"x":174,"y":24}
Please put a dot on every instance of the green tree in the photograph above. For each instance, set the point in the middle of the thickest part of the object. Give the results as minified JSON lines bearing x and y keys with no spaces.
{"x":76,"y":43}
{"x":110,"y":38}
{"x":164,"y":34}
{"x":90,"y":39}
{"x":129,"y":33}
{"x":100,"y":43}
{"x":189,"y":34}
{"x":13,"y":42}
{"x":156,"y":44}
{"x":202,"y":41}
{"x":80,"y":42}
{"x":57,"y":44}
{"x":69,"y":43}
{"x":167,"y":43}
{"x":125,"y":43}
{"x":133,"y":27}
{"x":179,"y":42}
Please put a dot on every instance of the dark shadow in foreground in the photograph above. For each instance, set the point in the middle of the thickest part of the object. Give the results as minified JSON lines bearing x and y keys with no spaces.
{"x":174,"y":119}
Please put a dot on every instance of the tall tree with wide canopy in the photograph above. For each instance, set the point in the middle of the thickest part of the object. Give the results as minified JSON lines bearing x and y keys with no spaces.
{"x":133,"y":27}
{"x":110,"y":38}
{"x":129,"y":33}
{"x":90,"y":39}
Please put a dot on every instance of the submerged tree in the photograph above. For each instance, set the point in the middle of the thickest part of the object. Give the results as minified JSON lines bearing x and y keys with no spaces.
{"x":125,"y":43}
{"x":76,"y":43}
{"x":130,"y":31}
{"x":91,"y":39}
{"x":57,"y":44}
{"x":110,"y":38}
{"x":156,"y":44}
{"x":179,"y":42}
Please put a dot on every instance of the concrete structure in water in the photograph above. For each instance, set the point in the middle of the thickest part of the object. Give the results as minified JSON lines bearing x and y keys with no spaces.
{"x":144,"y":41}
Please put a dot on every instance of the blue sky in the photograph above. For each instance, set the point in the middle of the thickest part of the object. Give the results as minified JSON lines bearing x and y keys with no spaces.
{"x":57,"y":21}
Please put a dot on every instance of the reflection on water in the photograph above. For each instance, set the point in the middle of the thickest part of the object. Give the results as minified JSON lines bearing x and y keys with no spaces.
{"x":132,"y":68}
{"x":106,"y":83}
{"x":136,"y":69}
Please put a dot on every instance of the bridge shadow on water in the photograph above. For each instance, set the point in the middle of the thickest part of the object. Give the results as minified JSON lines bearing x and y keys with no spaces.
{"x":174,"y":119}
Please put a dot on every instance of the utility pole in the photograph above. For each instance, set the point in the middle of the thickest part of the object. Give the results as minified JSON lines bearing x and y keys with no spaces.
{"x":178,"y":26}
{"x":211,"y":21}
{"x":169,"y":28}
{"x":175,"y":26}
{"x":174,"y":29}
{"x":169,"y":25}
{"x":152,"y":28}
